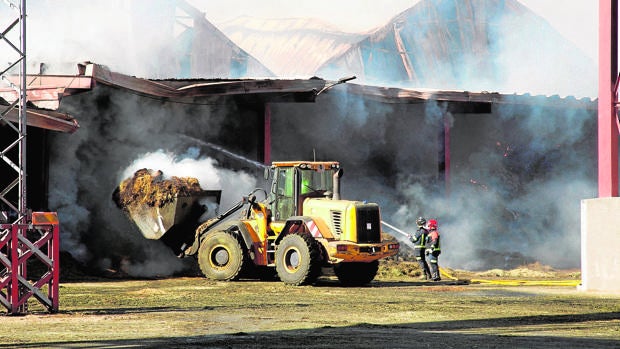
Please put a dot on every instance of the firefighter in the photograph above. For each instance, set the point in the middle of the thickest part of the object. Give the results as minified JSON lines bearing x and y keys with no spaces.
{"x":419,"y":239}
{"x":433,"y":249}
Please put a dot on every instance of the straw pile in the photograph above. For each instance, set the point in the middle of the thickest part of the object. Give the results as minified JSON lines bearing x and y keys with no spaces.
{"x":148,"y":187}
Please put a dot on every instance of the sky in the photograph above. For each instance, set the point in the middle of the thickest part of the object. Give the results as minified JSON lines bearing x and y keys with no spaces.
{"x":577,"y":20}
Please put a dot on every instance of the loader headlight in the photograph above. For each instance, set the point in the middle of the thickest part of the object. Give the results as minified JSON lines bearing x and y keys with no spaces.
{"x":342,"y":248}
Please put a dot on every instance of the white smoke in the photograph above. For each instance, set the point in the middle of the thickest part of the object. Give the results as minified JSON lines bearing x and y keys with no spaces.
{"x":234,"y":185}
{"x":131,"y":37}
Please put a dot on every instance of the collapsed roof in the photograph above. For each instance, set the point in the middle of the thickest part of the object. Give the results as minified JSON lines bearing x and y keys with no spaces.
{"x":444,"y":44}
{"x":45,"y":93}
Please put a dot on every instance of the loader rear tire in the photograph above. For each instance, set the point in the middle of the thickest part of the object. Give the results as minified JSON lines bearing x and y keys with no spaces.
{"x":356,"y":273}
{"x":298,"y":259}
{"x":221,"y":256}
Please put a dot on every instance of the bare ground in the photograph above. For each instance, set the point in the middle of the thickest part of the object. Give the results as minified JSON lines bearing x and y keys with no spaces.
{"x":538,"y":308}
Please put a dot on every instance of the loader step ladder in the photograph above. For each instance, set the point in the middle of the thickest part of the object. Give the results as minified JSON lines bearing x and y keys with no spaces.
{"x":271,"y":247}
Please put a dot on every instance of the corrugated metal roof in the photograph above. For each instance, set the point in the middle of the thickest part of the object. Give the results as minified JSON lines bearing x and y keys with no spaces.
{"x":267,"y":90}
{"x":48,"y":90}
{"x":277,"y":90}
{"x":44,"y":93}
{"x":41,"y":118}
{"x":417,"y":95}
{"x":293,"y":47}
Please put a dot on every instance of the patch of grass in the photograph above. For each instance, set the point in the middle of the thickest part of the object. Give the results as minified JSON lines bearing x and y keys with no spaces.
{"x":193,"y":311}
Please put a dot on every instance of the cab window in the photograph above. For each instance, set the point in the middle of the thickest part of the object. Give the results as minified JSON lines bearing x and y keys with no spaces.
{"x":284,"y":193}
{"x":317,"y":182}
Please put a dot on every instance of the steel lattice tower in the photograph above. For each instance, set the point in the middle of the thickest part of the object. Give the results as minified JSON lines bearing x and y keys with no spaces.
{"x":15,"y":212}
{"x":17,"y":209}
{"x":24,"y":236}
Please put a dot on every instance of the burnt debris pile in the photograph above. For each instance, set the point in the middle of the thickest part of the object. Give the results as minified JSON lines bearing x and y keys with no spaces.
{"x":149,"y":187}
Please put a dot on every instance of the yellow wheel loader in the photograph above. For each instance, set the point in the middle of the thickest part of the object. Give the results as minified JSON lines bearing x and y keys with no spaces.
{"x":300,"y":227}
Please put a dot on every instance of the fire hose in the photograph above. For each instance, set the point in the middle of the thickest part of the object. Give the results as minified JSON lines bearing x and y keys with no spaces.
{"x":574,"y":283}
{"x":394,"y":228}
{"x":447,"y":275}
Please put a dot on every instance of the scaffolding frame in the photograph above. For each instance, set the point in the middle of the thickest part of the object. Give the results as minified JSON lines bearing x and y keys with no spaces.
{"x":23,"y":234}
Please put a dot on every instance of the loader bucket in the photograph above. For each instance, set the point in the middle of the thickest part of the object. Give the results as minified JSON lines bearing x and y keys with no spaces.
{"x":154,"y":221}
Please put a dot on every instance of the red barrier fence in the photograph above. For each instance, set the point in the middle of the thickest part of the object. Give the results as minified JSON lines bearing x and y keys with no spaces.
{"x":38,"y":243}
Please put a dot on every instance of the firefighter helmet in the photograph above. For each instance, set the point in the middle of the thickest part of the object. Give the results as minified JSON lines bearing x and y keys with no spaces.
{"x":432,"y":224}
{"x":420,"y":222}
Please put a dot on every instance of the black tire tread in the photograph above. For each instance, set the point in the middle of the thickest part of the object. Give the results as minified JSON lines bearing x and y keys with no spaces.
{"x":236,"y":244}
{"x":312,"y":251}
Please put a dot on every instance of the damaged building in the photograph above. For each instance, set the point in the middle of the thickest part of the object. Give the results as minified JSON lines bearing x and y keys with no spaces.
{"x":490,"y":166}
{"x":447,"y":149}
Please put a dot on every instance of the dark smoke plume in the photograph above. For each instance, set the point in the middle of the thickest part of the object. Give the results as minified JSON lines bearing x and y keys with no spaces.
{"x":517,"y":175}
{"x":121,"y":133}
{"x":516,"y":181}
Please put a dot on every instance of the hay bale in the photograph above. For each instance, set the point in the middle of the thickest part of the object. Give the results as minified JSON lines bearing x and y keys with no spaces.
{"x":148,"y":187}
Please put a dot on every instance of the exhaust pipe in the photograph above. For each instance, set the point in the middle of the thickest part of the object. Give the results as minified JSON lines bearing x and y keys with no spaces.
{"x":337,"y":176}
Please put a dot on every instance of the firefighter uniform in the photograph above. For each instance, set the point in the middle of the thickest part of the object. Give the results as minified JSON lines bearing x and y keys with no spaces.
{"x":419,"y":240}
{"x":433,"y":249}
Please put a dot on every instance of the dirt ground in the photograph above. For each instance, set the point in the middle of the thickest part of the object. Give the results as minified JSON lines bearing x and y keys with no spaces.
{"x":530,"y":308}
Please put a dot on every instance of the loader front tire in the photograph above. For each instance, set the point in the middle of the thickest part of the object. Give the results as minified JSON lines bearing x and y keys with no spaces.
{"x":221,"y":256}
{"x":298,"y":259}
{"x":356,"y":273}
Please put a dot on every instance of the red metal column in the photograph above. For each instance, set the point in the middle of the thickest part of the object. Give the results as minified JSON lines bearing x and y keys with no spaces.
{"x":446,"y":145}
{"x":53,"y":284}
{"x":5,"y":263}
{"x":608,"y":72}
{"x":13,"y":291}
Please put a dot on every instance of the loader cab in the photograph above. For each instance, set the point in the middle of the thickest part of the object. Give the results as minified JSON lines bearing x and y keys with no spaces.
{"x":293,"y":182}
